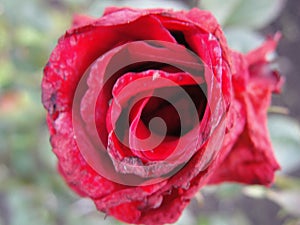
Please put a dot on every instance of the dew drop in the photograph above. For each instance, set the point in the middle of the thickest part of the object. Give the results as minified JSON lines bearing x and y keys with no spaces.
{"x":69,"y":62}
{"x":180,"y":78}
{"x":155,"y":76}
{"x":73,"y":41}
{"x":211,"y":37}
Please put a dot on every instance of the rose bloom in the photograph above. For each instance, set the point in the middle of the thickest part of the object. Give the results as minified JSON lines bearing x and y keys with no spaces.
{"x":109,"y":77}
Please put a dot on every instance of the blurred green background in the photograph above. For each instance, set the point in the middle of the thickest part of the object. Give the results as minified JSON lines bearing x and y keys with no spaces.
{"x":32,"y":192}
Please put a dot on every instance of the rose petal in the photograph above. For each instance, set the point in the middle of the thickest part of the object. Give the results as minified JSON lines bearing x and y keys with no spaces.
{"x":137,"y":82}
{"x":75,"y":51}
{"x":260,"y":65}
{"x":79,"y":175}
{"x":81,"y":20}
{"x":256,"y":164}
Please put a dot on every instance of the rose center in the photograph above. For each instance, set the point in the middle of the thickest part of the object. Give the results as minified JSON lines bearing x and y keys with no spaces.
{"x":175,"y":110}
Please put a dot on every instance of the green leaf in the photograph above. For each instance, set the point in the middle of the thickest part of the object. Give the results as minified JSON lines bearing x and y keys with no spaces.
{"x":203,"y":220}
{"x":27,"y":35}
{"x":97,"y":8}
{"x":242,"y":39}
{"x":244,"y":13}
{"x":285,"y":136}
{"x":255,"y":191}
{"x":221,"y":9}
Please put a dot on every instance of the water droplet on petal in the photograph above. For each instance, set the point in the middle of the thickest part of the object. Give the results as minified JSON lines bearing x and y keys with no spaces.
{"x":155,"y":75}
{"x":73,"y":40}
{"x":211,"y":37}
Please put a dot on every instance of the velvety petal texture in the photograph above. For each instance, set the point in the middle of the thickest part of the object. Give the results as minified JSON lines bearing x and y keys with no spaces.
{"x":208,"y":103}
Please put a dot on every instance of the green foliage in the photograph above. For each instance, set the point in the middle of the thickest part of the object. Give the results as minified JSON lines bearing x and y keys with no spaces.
{"x":285,"y":135}
{"x":243,"y":39}
{"x":241,"y":18}
{"x":97,"y":7}
{"x":243,"y":13}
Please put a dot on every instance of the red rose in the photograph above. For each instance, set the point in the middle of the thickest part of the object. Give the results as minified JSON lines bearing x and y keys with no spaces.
{"x":147,"y":106}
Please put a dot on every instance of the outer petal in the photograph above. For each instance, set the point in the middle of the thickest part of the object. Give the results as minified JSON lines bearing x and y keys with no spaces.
{"x":208,"y":22}
{"x":73,"y":167}
{"x":67,"y":63}
{"x":252,"y":160}
{"x":75,"y":53}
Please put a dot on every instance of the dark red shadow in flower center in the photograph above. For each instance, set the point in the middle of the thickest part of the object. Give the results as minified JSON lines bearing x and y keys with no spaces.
{"x":177,"y":125}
